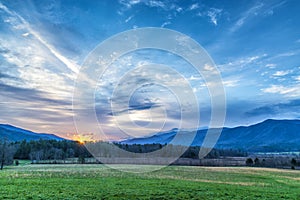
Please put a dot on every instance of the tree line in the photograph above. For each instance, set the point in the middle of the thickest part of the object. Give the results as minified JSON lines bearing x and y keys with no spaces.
{"x":41,"y":150}
{"x":37,"y":150}
{"x":274,"y":162}
{"x":190,"y":152}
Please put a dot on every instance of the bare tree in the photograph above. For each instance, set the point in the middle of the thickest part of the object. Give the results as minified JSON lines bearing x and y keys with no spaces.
{"x":36,"y":156}
{"x":7,"y":152}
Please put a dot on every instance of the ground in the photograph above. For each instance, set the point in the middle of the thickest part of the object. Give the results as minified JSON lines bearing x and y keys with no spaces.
{"x":174,"y":182}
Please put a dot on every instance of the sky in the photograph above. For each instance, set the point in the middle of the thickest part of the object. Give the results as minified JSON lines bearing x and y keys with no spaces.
{"x":255,"y":46}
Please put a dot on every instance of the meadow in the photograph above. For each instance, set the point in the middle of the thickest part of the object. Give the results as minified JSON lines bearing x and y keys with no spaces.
{"x":70,"y":181}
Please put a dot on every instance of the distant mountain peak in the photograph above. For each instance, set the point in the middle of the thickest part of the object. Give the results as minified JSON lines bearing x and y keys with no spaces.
{"x":13,"y":133}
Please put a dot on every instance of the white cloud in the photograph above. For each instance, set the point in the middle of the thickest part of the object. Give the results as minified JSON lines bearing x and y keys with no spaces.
{"x":3,"y":7}
{"x":129,"y":3}
{"x":253,"y":11}
{"x":297,"y":78}
{"x":25,"y":34}
{"x":287,"y":54}
{"x":213,"y":13}
{"x":165,"y":24}
{"x":35,"y":64}
{"x":281,"y":73}
{"x":291,"y":91}
{"x":194,"y":6}
{"x":179,"y":9}
{"x":155,"y":3}
{"x":270,"y":8}
{"x":230,"y":83}
{"x":42,"y":79}
{"x":240,"y":63}
{"x":271,"y":65}
{"x":283,"y":54}
{"x":133,"y":2}
{"x":192,"y":78}
{"x":165,"y":5}
{"x":208,"y":67}
{"x":25,"y":25}
{"x":129,"y":18}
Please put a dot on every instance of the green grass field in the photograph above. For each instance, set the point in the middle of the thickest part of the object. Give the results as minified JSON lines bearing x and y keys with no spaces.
{"x":174,"y":182}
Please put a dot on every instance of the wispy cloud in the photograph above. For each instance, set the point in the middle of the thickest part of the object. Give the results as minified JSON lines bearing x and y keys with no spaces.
{"x":41,"y":45}
{"x":231,"y":83}
{"x":194,"y":6}
{"x":240,"y":63}
{"x":282,"y":73}
{"x":129,"y":18}
{"x":288,"y":91}
{"x":129,"y":3}
{"x":271,"y":65}
{"x":70,"y":64}
{"x":272,"y":6}
{"x":156,"y":3}
{"x":261,"y":9}
{"x":253,"y":11}
{"x":288,"y":108}
{"x":297,"y":79}
{"x":32,"y":60}
{"x":165,"y":24}
{"x":151,"y":3}
{"x":36,"y":80}
{"x":213,"y":14}
{"x":164,"y":5}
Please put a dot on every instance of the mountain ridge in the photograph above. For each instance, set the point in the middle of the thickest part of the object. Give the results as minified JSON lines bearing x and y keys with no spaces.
{"x":270,"y":135}
{"x":14,"y":134}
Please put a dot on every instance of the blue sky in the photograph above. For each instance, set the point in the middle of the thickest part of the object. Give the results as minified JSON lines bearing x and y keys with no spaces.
{"x":254,"y":44}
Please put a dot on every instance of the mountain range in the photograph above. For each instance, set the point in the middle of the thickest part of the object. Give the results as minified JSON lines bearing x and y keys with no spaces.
{"x":267,"y":136}
{"x":13,"y":134}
